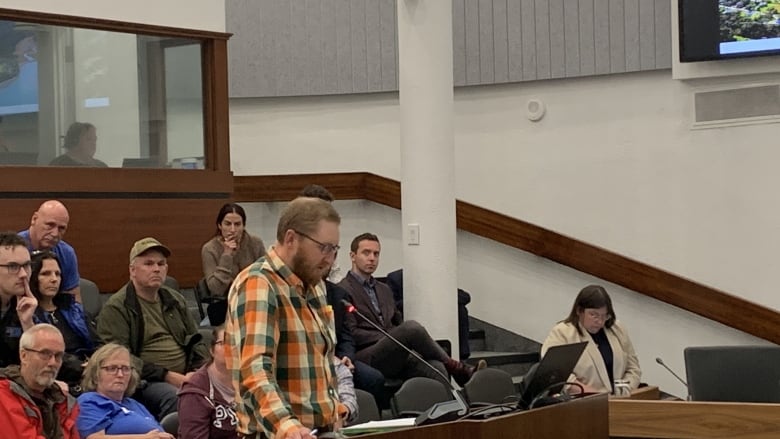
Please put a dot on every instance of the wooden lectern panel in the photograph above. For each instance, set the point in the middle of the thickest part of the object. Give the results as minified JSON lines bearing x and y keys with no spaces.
{"x":584,"y":418}
{"x":693,"y":420}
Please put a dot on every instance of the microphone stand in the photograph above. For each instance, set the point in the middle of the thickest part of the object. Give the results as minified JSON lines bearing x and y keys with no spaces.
{"x":661,"y":362}
{"x":441,"y":411}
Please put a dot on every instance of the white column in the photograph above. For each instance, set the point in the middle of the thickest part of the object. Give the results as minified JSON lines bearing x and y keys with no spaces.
{"x":427,"y":165}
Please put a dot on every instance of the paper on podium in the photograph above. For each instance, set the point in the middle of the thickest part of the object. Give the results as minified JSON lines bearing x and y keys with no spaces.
{"x":378,"y":426}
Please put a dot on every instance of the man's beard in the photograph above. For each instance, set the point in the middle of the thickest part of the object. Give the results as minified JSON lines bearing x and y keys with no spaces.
{"x":309,"y":274}
{"x":45,"y":380}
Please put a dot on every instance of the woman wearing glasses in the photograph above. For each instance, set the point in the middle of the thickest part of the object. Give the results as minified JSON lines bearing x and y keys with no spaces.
{"x":106,"y":409}
{"x":207,"y":399}
{"x":609,"y":355}
{"x":61,"y":310}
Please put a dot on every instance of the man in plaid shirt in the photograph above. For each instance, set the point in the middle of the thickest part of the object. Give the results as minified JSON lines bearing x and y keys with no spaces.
{"x":279,"y":330}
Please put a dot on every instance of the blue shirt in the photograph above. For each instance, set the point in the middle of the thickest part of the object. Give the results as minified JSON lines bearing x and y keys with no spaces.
{"x":98,"y":413}
{"x":69,"y":264}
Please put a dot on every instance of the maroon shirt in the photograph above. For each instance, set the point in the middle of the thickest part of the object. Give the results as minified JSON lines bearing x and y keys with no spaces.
{"x":203,"y":413}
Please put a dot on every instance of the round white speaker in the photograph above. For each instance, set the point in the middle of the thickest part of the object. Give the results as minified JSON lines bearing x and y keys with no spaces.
{"x":535,"y":110}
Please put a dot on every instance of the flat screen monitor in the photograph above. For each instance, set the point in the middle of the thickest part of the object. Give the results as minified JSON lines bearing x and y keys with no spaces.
{"x":722,"y":29}
{"x":733,"y":373}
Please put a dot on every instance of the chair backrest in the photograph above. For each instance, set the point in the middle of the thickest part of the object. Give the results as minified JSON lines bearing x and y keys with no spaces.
{"x":90,"y":297}
{"x":490,"y":386}
{"x":170,"y":423}
{"x":367,"y":408}
{"x":733,"y":373}
{"x":417,"y":395}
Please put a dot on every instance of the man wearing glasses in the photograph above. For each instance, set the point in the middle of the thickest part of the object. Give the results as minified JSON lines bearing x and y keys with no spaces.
{"x":32,"y":405}
{"x":279,"y":340}
{"x":17,"y":303}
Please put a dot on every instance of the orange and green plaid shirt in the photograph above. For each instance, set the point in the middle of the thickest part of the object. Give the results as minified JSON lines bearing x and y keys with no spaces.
{"x":279,"y":348}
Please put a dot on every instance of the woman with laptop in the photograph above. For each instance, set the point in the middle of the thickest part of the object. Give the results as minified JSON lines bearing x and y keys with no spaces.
{"x":609,"y":355}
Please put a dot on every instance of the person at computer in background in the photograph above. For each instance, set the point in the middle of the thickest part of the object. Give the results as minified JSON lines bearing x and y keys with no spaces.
{"x":609,"y":355}
{"x":230,"y":250}
{"x":62,"y":311}
{"x":80,"y":145}
{"x":47,"y":228}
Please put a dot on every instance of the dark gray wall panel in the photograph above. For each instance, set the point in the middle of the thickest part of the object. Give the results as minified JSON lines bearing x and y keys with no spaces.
{"x":311,"y":47}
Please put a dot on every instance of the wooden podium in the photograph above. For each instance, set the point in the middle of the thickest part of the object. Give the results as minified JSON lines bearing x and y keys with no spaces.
{"x":633,"y":418}
{"x":584,"y":418}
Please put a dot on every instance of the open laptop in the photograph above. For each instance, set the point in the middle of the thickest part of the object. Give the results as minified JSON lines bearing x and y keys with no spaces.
{"x":554,"y":370}
{"x":733,"y":373}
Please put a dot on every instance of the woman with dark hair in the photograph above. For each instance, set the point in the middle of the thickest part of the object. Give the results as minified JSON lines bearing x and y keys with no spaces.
{"x":609,"y":356}
{"x":61,"y":310}
{"x":207,"y":398}
{"x":230,"y":250}
{"x":80,"y":145}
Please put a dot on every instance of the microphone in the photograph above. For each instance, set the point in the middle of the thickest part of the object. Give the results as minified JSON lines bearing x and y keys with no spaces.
{"x":661,"y":362}
{"x":441,"y":411}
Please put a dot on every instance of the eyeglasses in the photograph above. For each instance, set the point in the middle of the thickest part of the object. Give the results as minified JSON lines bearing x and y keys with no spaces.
{"x":46,"y":354}
{"x":114,"y":369}
{"x":326,"y":249}
{"x":13,"y":267}
{"x":599,"y":316}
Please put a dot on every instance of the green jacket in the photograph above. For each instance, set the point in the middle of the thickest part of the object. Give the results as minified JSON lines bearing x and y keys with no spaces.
{"x":121,"y":321}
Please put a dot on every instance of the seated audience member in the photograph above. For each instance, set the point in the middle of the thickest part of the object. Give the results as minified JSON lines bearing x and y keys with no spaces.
{"x":107,"y":410}
{"x":154,"y":323}
{"x":230,"y":250}
{"x":207,"y":399}
{"x":80,"y":145}
{"x":17,"y":302}
{"x":609,"y":355}
{"x":317,"y":191}
{"x":47,"y":228}
{"x":375,"y":300}
{"x":61,"y":310}
{"x":364,"y":376}
{"x":32,"y":405}
{"x":395,"y":280}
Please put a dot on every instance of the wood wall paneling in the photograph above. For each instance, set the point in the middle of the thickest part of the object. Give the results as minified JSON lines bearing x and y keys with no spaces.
{"x":102,"y":231}
{"x":675,"y":290}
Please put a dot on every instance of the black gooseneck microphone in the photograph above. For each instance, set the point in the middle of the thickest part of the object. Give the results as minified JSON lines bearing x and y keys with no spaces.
{"x":441,"y":411}
{"x":661,"y":362}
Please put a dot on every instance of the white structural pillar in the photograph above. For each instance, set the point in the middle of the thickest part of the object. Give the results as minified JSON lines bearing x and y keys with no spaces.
{"x":428,"y":166}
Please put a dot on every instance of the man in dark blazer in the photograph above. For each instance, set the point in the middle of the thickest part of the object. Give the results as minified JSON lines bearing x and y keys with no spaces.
{"x":375,"y":300}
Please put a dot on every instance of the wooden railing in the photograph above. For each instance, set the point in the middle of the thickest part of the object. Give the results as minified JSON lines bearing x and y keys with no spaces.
{"x":667,"y":287}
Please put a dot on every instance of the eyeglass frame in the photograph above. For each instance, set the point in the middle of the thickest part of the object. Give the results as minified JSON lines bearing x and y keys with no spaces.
{"x":596,"y":315}
{"x":13,"y":267}
{"x":58,"y":356}
{"x":325,"y":249}
{"x":126,"y":370}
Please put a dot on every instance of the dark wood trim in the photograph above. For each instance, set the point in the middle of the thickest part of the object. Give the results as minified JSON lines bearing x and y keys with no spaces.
{"x":109,"y":25}
{"x":216,"y":105}
{"x":667,"y":287}
{"x":119,"y":180}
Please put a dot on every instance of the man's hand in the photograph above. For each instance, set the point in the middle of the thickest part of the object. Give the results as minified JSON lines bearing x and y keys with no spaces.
{"x":175,"y":379}
{"x":347,"y":362}
{"x":25,"y":307}
{"x":298,"y":433}
{"x":63,"y":386}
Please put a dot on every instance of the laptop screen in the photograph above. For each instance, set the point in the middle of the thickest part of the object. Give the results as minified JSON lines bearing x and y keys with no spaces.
{"x":554,"y":369}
